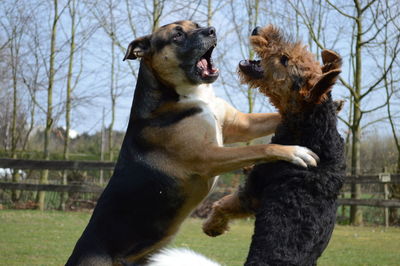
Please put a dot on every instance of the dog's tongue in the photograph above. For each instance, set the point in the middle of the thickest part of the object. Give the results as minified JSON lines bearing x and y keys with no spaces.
{"x":203,"y":65}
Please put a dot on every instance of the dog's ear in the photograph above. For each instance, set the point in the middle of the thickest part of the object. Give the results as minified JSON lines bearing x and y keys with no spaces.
{"x":319,"y":91}
{"x":138,"y":48}
{"x":331,"y":60}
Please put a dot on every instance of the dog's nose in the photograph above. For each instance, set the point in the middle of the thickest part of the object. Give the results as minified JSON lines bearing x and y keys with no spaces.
{"x":255,"y":31}
{"x":210,"y":31}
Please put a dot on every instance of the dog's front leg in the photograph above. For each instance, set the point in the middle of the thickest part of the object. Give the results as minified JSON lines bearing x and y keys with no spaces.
{"x":241,"y":127}
{"x":215,"y":160}
{"x":246,"y":127}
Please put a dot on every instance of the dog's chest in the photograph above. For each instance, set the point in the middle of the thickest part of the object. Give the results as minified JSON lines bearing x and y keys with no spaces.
{"x":213,"y":111}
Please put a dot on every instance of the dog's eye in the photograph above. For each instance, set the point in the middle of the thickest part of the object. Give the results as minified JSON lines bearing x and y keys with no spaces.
{"x":284,"y":60}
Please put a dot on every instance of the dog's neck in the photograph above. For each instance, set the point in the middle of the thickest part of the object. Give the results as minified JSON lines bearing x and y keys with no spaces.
{"x":150,"y":93}
{"x":315,"y":129}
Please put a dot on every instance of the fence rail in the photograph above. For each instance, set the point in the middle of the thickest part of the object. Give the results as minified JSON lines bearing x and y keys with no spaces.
{"x":55,"y":165}
{"x":91,"y":165}
{"x":370,"y":202}
{"x":52,"y":187}
{"x":371,"y":179}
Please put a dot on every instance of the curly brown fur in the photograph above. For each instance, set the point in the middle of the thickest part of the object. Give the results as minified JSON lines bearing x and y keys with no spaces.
{"x":293,"y":73}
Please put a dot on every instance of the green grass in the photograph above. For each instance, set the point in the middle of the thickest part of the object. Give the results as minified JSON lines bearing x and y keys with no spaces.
{"x":47,"y":238}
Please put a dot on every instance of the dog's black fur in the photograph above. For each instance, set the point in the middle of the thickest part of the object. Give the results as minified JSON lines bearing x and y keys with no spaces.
{"x":296,"y":215}
{"x":121,"y":223}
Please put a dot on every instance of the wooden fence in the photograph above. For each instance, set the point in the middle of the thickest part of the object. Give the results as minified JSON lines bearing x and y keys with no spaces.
{"x":55,"y":165}
{"x":95,"y":165}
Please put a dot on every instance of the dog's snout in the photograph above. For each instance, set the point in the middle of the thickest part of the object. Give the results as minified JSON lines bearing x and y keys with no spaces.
{"x":210,"y":31}
{"x":255,"y":31}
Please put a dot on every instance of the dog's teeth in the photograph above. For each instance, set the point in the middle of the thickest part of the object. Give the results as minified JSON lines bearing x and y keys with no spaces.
{"x":205,"y":73}
{"x":214,"y":70}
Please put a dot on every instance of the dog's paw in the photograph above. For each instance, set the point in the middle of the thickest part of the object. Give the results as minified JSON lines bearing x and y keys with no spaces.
{"x":304,"y":157}
{"x":215,"y":226}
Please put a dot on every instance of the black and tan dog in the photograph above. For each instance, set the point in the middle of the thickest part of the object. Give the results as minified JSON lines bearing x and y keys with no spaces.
{"x":173,"y":148}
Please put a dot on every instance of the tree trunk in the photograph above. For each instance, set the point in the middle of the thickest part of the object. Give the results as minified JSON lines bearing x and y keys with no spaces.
{"x":15,"y":194}
{"x":102,"y":147}
{"x":356,"y":216}
{"x":394,"y":217}
{"x":209,"y":13}
{"x":157,"y":11}
{"x":394,"y":189}
{"x":253,"y":19}
{"x":49,"y":114}
{"x":64,"y":180}
{"x":113,"y":96}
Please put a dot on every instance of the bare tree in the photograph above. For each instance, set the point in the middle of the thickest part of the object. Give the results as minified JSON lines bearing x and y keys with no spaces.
{"x":158,"y":7}
{"x":110,"y":24}
{"x":391,"y":84}
{"x":32,"y":76}
{"x":368,"y":24}
{"x":14,"y":27}
{"x":72,"y":49}
{"x":49,"y":113}
{"x":394,"y":188}
{"x":101,"y":12}
{"x":242,"y":31}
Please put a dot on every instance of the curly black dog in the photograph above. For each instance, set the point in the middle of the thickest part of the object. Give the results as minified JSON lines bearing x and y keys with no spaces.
{"x":295,"y":208}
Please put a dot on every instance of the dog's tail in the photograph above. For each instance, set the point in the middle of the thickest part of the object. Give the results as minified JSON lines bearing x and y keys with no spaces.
{"x":180,"y":257}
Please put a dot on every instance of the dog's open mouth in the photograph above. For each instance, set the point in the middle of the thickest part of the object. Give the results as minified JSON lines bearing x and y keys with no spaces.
{"x":252,"y":68}
{"x":206,"y":66}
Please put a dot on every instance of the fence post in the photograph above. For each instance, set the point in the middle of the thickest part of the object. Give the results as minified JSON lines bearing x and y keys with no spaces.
{"x":102,"y":148}
{"x":385,"y":178}
{"x":386,"y":196}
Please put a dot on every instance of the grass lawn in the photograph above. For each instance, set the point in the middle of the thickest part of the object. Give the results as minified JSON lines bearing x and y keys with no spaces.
{"x":47,"y":238}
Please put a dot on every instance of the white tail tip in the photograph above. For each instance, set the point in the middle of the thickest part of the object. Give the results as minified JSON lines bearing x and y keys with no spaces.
{"x":180,"y":257}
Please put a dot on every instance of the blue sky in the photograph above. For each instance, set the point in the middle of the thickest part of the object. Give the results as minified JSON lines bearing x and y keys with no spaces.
{"x":92,"y":91}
